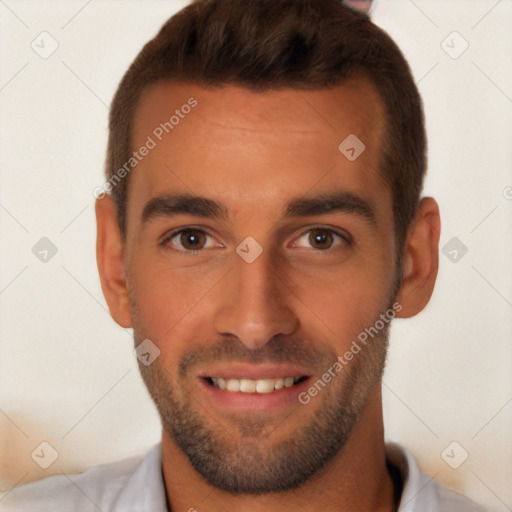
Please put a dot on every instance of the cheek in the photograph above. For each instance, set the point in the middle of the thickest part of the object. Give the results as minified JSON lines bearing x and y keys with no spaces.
{"x":345,"y":307}
{"x":343,"y":301}
{"x":169,"y":300}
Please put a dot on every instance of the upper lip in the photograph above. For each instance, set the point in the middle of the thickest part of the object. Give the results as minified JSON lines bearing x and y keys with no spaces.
{"x":253,"y":371}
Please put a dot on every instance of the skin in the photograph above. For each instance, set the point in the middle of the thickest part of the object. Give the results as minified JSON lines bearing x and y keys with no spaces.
{"x":254,"y":152}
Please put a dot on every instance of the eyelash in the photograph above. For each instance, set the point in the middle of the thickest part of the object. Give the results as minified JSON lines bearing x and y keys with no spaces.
{"x":164,"y":243}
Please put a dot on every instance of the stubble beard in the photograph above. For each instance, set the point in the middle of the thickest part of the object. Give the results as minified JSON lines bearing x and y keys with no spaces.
{"x":239,"y":460}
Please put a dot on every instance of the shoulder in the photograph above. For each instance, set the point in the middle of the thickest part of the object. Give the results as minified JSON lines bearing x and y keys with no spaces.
{"x":98,"y":488}
{"x":454,"y":502}
{"x":422,"y":493}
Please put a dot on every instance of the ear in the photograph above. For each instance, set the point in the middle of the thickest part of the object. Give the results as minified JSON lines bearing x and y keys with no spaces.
{"x":110,"y":260}
{"x":420,"y":259}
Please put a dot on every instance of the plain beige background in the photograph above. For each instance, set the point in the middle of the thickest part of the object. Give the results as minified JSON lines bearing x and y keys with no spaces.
{"x":68,"y":376}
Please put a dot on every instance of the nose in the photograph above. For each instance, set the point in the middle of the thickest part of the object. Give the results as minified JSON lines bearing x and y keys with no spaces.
{"x":253,"y":303}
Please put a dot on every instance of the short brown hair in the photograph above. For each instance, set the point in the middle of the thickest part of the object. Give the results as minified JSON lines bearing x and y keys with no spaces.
{"x":271,"y":44}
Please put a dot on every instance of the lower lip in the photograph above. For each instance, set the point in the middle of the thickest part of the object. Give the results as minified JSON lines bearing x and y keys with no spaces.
{"x":238,"y":401}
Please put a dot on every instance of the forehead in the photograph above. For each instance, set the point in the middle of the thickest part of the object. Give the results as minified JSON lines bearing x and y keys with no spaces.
{"x":256,"y":148}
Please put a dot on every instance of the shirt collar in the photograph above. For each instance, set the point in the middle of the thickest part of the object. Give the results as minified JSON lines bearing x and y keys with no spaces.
{"x":419,"y":490}
{"x":145,"y":489}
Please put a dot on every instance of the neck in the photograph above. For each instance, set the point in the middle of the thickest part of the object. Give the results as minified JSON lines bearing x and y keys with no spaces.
{"x":356,"y":480}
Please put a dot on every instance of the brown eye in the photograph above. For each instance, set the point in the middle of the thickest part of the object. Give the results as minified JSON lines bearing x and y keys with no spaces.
{"x":187,"y":240}
{"x":192,"y":239}
{"x":321,"y":238}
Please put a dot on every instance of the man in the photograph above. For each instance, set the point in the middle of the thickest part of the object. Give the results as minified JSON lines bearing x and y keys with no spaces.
{"x":262,"y":229}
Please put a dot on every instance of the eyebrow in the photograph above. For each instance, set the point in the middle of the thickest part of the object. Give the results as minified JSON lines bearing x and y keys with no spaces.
{"x":169,"y":205}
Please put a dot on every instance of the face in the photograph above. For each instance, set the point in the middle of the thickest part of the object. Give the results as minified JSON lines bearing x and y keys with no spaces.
{"x":256,"y":254}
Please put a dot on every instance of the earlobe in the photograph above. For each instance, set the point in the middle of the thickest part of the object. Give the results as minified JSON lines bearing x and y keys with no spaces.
{"x":420,"y":259}
{"x":110,"y":261}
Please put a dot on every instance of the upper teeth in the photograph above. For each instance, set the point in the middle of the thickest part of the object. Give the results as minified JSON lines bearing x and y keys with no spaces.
{"x":254,"y":386}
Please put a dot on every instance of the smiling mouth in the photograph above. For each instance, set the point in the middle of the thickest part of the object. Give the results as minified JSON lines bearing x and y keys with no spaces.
{"x":254,"y":385}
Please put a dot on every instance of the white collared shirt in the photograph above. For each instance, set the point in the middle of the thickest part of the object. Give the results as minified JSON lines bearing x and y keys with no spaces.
{"x":136,"y":485}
